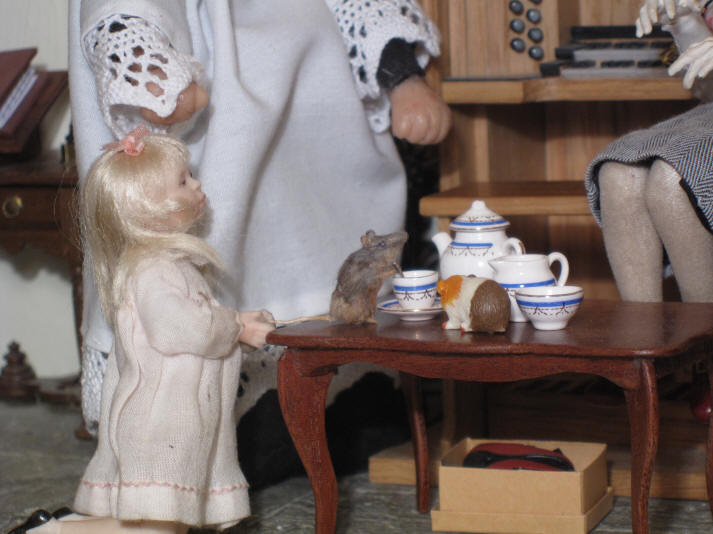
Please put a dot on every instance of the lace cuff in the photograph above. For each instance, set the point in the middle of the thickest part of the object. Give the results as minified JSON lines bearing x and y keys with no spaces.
{"x":136,"y":66}
{"x":367,"y":26}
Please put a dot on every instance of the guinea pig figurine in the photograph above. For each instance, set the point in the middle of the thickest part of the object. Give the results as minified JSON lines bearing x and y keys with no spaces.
{"x":474,"y":304}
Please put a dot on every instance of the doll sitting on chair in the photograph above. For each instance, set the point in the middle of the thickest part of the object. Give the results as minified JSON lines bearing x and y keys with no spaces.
{"x":167,"y":454}
{"x":651,"y":189}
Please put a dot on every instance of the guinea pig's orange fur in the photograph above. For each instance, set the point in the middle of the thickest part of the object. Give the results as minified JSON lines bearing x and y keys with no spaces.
{"x":449,"y":289}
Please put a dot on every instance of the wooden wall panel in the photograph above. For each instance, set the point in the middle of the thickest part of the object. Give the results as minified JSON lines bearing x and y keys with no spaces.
{"x":516,"y":136}
{"x":608,"y":12}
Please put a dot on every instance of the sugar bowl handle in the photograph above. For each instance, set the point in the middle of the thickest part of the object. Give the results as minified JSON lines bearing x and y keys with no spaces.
{"x":512,"y":245}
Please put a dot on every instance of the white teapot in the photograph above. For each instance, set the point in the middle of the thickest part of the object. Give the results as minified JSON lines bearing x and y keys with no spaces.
{"x":479,"y":237}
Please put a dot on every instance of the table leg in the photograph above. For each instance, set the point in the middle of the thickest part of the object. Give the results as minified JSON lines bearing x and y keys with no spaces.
{"x":709,"y":455}
{"x":643,"y":407}
{"x":302,"y":400}
{"x":414,"y":404}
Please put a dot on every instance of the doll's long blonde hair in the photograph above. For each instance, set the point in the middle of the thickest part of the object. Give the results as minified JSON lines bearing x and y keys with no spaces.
{"x":121,"y":220}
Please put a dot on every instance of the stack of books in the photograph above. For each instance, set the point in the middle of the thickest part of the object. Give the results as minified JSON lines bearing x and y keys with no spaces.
{"x":26,"y":94}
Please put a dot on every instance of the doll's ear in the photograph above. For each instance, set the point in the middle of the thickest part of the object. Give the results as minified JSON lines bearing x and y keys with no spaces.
{"x":368,"y":238}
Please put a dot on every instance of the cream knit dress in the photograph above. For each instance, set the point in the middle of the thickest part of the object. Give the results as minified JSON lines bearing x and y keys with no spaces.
{"x":167,"y":448}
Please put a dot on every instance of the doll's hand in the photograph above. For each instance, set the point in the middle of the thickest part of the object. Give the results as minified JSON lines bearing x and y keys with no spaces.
{"x":256,"y":325}
{"x":698,"y":59}
{"x":192,"y":99}
{"x":418,"y":114}
{"x":663,"y":12}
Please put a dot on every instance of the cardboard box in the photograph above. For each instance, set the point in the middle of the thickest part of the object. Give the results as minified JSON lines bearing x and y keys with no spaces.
{"x":523,"y":501}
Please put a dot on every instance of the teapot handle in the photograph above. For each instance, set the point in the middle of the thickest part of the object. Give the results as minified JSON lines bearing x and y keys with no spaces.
{"x":564,"y":266}
{"x":513,"y":244}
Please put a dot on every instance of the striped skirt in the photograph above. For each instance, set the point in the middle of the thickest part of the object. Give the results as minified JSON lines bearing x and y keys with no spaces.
{"x":685,"y":142}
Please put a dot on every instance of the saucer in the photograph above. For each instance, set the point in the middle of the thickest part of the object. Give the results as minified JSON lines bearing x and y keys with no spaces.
{"x":392,"y":307}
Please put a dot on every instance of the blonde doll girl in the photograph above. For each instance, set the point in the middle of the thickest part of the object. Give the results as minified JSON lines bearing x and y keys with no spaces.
{"x":167,"y":454}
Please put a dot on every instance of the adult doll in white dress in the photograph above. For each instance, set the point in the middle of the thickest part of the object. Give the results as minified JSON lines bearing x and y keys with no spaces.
{"x":286,"y":108}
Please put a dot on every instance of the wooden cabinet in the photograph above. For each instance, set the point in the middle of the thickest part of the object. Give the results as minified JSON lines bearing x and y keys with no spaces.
{"x":523,"y":144}
{"x":37,"y":208}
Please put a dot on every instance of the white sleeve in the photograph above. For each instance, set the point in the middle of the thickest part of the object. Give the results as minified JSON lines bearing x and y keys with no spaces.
{"x":366,"y":27}
{"x":125,"y":54}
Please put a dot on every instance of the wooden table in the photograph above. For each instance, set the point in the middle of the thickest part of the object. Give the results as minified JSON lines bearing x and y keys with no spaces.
{"x":630,"y":344}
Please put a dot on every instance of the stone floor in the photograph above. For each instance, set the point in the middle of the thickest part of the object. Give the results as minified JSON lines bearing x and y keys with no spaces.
{"x":41,"y":461}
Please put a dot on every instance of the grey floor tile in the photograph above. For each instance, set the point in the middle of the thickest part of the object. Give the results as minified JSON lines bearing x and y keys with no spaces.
{"x":41,"y":462}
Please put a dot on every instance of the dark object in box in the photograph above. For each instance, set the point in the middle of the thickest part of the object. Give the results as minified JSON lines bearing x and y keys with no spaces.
{"x":516,"y":456}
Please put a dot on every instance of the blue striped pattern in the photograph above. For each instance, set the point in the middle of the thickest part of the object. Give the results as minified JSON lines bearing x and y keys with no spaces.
{"x":459,"y":244}
{"x":415,"y":288}
{"x":548,"y":304}
{"x":476,"y":224}
{"x":685,"y":142}
{"x":530,"y":284}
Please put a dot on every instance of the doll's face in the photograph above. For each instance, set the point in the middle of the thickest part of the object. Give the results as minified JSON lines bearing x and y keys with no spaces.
{"x":185,"y":191}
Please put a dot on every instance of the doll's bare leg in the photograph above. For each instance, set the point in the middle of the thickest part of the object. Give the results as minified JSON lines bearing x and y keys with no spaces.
{"x":108,"y":525}
{"x":688,"y":243}
{"x":633,"y":247}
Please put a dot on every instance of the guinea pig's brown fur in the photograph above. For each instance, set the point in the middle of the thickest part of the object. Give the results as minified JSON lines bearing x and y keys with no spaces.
{"x":489,"y":308}
{"x":474,"y":304}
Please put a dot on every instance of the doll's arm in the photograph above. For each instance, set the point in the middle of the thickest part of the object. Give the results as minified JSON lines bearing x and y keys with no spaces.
{"x":694,"y":39}
{"x":140,"y":75}
{"x":255,"y":327}
{"x":418,"y":114}
{"x":368,"y":27}
{"x":664,"y":12}
{"x":177,"y":321}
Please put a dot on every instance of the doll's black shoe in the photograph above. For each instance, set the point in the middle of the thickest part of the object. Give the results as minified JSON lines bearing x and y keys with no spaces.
{"x":59,"y":513}
{"x":37,"y":518}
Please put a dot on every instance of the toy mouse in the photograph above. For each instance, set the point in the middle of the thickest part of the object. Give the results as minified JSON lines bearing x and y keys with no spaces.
{"x":166,"y":457}
{"x":474,"y":304}
{"x":362,"y":274}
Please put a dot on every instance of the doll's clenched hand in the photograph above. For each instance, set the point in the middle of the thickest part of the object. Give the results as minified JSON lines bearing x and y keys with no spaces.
{"x":698,"y":58}
{"x":663,"y":12}
{"x":418,"y":114}
{"x":192,"y":99}
{"x":256,"y":325}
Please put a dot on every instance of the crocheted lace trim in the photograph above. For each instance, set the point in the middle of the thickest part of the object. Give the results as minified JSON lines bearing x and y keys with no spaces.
{"x":130,"y":56}
{"x":367,"y":26}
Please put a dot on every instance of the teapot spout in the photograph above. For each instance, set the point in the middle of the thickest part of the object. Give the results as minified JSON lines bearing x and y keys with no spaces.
{"x":441,"y":240}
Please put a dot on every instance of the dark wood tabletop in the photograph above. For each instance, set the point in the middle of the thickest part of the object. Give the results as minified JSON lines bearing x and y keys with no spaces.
{"x":600,"y":328}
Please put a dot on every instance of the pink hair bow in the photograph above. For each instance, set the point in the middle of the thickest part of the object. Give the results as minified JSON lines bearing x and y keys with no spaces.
{"x":131,"y":144}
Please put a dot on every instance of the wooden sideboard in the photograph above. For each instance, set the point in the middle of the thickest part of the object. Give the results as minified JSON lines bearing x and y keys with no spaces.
{"x":37,"y":208}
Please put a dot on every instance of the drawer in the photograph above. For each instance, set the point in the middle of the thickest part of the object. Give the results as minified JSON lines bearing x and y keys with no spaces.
{"x":40,"y":208}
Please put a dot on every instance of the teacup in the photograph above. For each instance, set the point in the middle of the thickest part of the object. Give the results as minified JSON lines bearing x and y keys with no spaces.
{"x":416,"y":289}
{"x":549,"y":307}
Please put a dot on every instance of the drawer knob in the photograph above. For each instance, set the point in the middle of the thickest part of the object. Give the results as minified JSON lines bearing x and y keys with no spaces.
{"x":12,"y":206}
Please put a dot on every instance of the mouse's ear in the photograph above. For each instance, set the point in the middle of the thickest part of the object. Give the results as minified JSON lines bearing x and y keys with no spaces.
{"x":368,"y":238}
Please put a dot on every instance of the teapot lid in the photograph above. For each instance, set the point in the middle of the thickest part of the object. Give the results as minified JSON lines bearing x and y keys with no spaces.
{"x":478,"y":219}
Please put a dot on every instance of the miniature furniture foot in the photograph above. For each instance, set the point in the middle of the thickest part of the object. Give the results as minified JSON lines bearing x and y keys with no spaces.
{"x":630,"y":344}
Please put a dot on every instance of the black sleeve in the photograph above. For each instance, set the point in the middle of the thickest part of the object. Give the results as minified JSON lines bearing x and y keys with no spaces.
{"x":398,"y":62}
